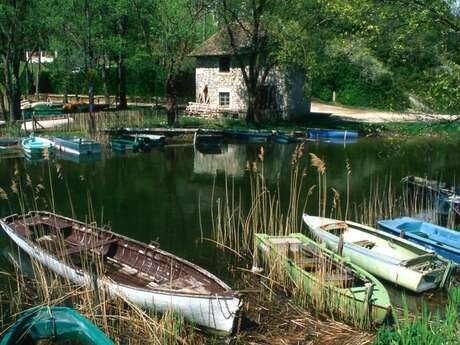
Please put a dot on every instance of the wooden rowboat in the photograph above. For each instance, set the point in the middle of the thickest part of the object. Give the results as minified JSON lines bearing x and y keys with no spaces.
{"x":142,"y":274}
{"x":395,"y":259}
{"x":319,"y":271}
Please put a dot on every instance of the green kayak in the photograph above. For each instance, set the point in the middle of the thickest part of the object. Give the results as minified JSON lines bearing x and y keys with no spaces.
{"x":327,"y":276}
{"x":57,"y":323}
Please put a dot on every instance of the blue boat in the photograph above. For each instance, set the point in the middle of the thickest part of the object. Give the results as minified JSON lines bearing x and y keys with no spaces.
{"x":36,"y":146}
{"x":55,"y":324}
{"x":77,"y":146}
{"x":316,"y":133}
{"x":445,"y":242}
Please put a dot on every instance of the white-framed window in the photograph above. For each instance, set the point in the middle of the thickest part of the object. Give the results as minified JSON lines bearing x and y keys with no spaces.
{"x":224,"y":99}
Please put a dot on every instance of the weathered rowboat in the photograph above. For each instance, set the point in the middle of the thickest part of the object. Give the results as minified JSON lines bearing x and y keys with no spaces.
{"x":77,"y":146}
{"x":446,"y":197}
{"x":56,"y":324}
{"x":249,"y":135}
{"x":36,"y":146}
{"x":319,"y":271}
{"x":315,"y":133}
{"x":284,"y":138}
{"x":443,"y":241}
{"x":124,"y":145}
{"x":142,"y":274}
{"x":136,"y":142}
{"x":395,"y":259}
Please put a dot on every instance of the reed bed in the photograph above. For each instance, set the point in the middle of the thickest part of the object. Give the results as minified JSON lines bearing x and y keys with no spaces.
{"x":122,"y":321}
{"x":236,"y":221}
{"x":30,"y":284}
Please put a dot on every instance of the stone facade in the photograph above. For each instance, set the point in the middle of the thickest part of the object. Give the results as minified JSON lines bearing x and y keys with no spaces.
{"x":284,"y":89}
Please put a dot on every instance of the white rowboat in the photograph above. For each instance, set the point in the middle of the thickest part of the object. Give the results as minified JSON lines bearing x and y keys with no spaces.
{"x":383,"y":255}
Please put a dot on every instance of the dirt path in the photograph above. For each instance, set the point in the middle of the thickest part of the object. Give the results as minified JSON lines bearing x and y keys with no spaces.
{"x":376,"y":116}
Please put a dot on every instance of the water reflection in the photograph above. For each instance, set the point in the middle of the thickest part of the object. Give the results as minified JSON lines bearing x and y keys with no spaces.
{"x":168,"y":194}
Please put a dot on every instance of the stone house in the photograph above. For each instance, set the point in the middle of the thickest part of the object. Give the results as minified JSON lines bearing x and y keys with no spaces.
{"x":220,"y":85}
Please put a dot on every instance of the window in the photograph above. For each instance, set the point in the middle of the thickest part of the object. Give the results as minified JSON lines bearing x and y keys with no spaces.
{"x":224,"y":99}
{"x":224,"y":64}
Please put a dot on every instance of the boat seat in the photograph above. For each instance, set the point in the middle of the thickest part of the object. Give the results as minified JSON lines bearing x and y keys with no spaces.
{"x":77,"y":249}
{"x":336,"y":278}
{"x":365,"y":243}
{"x":308,"y":263}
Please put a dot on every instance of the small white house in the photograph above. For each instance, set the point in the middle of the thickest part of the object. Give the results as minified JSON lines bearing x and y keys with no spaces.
{"x":220,"y":85}
{"x":41,"y":56}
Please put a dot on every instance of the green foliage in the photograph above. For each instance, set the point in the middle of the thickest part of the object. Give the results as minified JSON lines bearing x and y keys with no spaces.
{"x":425,"y":328}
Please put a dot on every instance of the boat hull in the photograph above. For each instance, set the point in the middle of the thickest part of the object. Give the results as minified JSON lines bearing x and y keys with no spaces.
{"x":444,"y":249}
{"x":352,"y":299}
{"x":214,"y":312}
{"x":388,"y":268}
{"x":78,"y":147}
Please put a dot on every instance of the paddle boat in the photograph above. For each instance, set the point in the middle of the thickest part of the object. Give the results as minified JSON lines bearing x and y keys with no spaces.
{"x":139,"y":273}
{"x":77,"y":146}
{"x":36,"y":146}
{"x":319,"y":271}
{"x":392,"y":258}
{"x":444,"y":241}
{"x":315,"y":133}
{"x":54,"y":324}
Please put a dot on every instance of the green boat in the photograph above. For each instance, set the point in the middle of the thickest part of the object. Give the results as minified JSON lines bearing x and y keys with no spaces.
{"x":136,"y":142}
{"x":53,"y":323}
{"x":323,"y":274}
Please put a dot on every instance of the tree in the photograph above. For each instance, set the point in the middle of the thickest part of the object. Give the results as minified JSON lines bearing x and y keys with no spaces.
{"x":251,"y":30}
{"x":20,"y":30}
{"x":170,"y":30}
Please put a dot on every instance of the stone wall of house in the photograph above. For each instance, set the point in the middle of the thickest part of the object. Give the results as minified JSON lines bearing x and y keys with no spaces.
{"x":207,"y":74}
{"x":288,"y":87}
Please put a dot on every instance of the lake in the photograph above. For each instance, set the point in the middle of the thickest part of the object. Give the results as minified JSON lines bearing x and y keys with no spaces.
{"x":159,"y":196}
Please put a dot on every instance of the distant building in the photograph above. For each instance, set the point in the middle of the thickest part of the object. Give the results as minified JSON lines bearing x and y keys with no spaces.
{"x":42,"y":56}
{"x":220,"y":85}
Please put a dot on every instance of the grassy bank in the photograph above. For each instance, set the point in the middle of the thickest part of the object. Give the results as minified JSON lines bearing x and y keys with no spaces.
{"x":149,"y":118}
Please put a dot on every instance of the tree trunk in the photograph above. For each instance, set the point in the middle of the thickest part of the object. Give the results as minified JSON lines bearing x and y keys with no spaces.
{"x":3,"y":106}
{"x":122,"y":101}
{"x":171,"y":100}
{"x":105,"y":82}
{"x":37,"y":82}
{"x":92,"y":120}
{"x":14,"y":97}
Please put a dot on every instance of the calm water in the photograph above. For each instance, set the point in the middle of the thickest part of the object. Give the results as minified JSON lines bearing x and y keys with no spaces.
{"x":158,"y":195}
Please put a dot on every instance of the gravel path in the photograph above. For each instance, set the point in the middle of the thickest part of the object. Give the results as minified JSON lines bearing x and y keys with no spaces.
{"x":376,"y":116}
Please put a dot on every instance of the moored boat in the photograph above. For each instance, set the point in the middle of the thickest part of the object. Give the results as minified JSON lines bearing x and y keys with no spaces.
{"x":319,"y":271}
{"x":444,"y":241}
{"x":36,"y":146}
{"x":284,"y":138}
{"x":249,"y":135}
{"x":444,"y":197}
{"x":55,"y":324}
{"x":77,"y":146}
{"x":315,"y":133}
{"x":392,"y":258}
{"x":142,"y":274}
{"x":136,"y":142}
